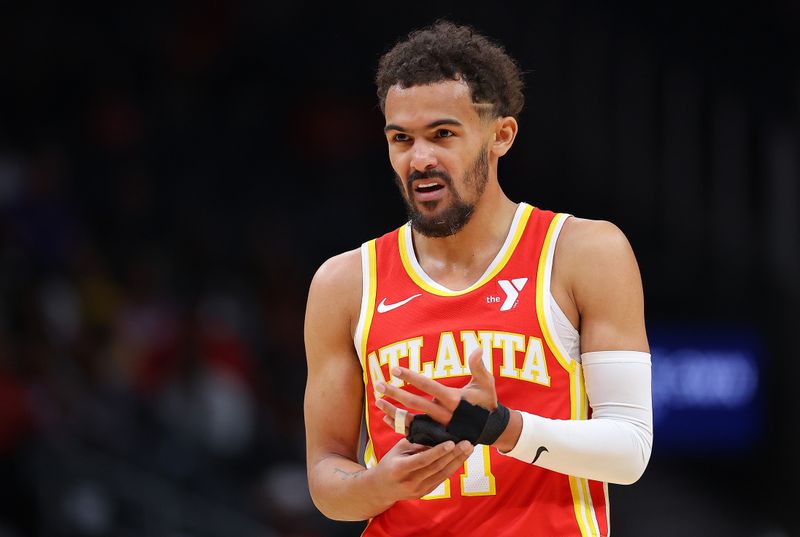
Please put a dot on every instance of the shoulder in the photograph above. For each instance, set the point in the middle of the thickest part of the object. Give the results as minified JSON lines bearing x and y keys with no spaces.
{"x":335,"y":290}
{"x":595,"y":255}
{"x":593,"y":240}
{"x":340,"y":271}
{"x":602,"y":278}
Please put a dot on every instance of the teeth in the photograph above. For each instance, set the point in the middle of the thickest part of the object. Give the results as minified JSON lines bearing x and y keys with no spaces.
{"x":426,"y":185}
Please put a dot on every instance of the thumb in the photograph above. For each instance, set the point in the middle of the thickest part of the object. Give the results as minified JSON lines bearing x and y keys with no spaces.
{"x":477,"y":367}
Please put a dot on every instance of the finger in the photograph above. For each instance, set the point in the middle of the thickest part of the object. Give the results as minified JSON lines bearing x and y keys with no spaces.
{"x":438,"y":412}
{"x":388,"y":408}
{"x":460,"y":454}
{"x":392,"y":423}
{"x":447,"y":396}
{"x":480,"y":390}
{"x":388,"y":421}
{"x":400,"y":416}
{"x":478,"y":368}
{"x":427,"y":457}
{"x":405,"y":447}
{"x":432,"y":473}
{"x":466,"y":447}
{"x":396,"y":418}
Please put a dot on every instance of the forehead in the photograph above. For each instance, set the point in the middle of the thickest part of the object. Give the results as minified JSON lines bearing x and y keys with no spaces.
{"x":421,"y":105}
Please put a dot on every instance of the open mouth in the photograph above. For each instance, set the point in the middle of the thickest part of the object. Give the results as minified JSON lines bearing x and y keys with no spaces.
{"x":425,"y":187}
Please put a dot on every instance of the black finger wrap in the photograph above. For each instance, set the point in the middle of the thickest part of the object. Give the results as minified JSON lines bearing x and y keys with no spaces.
{"x":424,"y":430}
{"x":469,"y":422}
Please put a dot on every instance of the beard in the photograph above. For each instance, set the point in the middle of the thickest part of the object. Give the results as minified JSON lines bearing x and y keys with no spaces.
{"x":452,"y":218}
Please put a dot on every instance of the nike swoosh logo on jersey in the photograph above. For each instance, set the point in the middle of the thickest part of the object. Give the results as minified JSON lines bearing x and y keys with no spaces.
{"x":539,"y":451}
{"x":383,"y":307}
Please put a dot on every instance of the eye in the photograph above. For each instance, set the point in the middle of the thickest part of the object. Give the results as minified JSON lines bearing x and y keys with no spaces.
{"x":444,"y":133}
{"x":400,"y":137}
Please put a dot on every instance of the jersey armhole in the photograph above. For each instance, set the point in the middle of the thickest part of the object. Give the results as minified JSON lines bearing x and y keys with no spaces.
{"x":567,"y":335}
{"x":368,"y":284}
{"x":546,"y":266}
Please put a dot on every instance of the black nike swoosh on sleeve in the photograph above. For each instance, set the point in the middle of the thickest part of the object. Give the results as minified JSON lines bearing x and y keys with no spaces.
{"x":539,"y":451}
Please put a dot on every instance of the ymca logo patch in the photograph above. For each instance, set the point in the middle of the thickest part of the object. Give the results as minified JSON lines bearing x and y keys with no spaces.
{"x":512,"y":290}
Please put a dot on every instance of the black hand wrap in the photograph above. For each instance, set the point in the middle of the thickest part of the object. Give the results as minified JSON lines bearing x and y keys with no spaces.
{"x":469,"y":422}
{"x":424,"y":430}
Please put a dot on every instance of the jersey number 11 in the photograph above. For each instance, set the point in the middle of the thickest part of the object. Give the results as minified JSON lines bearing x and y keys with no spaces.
{"x":476,"y":480}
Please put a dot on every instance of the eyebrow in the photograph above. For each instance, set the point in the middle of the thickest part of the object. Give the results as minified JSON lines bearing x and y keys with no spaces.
{"x":434,"y":124}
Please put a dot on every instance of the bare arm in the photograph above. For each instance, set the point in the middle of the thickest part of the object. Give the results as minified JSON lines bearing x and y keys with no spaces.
{"x":334,"y":391}
{"x":595,"y":268}
{"x":342,"y":488}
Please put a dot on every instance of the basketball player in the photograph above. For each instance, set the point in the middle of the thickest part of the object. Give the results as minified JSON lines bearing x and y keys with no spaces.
{"x":496,"y":350}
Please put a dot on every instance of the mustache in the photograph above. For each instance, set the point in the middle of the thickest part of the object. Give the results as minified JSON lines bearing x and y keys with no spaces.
{"x":428,"y":174}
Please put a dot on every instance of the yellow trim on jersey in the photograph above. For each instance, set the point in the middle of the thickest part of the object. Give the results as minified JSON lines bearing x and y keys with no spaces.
{"x":566,"y":362}
{"x":370,"y":310}
{"x":404,"y":248}
{"x":369,"y":453}
{"x":370,"y":459}
{"x":579,"y":403}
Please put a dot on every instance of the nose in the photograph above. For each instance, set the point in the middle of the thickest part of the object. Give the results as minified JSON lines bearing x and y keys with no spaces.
{"x":423,"y":157}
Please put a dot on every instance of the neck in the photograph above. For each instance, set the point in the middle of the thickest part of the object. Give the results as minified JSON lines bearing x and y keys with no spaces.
{"x":456,"y":261}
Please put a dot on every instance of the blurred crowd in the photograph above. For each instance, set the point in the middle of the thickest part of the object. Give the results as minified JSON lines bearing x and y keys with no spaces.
{"x":128,"y":378}
{"x":151,"y":302}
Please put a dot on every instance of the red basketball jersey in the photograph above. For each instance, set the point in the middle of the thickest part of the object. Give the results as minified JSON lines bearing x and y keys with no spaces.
{"x":410,"y":320}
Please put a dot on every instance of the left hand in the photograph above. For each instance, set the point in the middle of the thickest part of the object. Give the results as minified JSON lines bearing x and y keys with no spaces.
{"x":480,"y":390}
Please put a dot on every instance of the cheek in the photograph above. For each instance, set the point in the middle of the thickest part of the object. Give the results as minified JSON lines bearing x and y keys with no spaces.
{"x":394,"y":160}
{"x":399,"y":165}
{"x":394,"y":156}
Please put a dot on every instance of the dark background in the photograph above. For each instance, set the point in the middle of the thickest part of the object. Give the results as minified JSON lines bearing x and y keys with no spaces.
{"x":172,"y":174}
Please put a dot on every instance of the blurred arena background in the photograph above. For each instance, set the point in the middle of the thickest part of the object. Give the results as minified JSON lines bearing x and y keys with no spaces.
{"x":171,"y":175}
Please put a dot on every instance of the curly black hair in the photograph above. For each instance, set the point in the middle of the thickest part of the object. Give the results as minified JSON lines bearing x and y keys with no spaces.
{"x":447,"y":51}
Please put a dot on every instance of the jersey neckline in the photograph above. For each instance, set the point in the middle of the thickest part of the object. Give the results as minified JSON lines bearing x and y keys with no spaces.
{"x":424,"y":281}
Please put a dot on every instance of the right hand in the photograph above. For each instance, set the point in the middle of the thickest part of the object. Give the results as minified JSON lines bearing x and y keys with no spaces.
{"x":410,"y":471}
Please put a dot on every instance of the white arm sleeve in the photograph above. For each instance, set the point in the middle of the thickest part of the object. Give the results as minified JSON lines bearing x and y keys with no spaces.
{"x":615,"y":444}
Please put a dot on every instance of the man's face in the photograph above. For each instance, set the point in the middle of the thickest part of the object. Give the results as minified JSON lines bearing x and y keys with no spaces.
{"x":438,"y":149}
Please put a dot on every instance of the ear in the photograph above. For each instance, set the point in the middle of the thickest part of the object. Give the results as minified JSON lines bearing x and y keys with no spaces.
{"x":505,"y":132}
